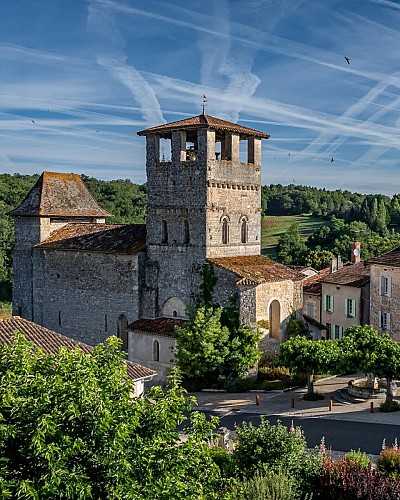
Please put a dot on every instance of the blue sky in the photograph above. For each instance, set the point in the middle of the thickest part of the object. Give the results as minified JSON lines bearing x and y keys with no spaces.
{"x":79,"y":79}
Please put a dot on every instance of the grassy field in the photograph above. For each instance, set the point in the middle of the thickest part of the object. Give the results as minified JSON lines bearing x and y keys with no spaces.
{"x":5,"y":309}
{"x":273,"y":226}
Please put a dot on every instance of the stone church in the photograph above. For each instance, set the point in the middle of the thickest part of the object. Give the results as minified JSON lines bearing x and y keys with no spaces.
{"x":86,"y":279}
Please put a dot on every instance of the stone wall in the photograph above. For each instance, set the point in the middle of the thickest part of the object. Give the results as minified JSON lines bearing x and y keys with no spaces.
{"x":141,"y":351}
{"x":385,"y":303}
{"x":83,"y":294}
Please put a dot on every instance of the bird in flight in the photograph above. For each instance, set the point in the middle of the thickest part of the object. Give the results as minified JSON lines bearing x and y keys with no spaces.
{"x":332,"y":159}
{"x":347,"y":60}
{"x":33,"y":121}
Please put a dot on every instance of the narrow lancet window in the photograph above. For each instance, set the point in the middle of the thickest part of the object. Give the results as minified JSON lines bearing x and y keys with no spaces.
{"x":164,"y":237}
{"x":243,"y":231}
{"x":156,"y":350}
{"x":225,"y":231}
{"x":186,"y":233}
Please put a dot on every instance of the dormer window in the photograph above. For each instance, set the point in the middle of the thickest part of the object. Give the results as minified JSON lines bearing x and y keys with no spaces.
{"x":225,"y":231}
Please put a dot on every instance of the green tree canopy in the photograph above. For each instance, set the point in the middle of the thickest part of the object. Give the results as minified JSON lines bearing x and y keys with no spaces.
{"x":70,"y":428}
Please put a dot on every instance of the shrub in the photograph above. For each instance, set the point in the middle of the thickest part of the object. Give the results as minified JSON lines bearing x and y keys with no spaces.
{"x":267,"y":372}
{"x":223,"y":459}
{"x":388,"y":462}
{"x":345,"y":480}
{"x":313,"y":396}
{"x":283,"y":450}
{"x":388,"y":407}
{"x":358,"y":457}
{"x":266,"y":485}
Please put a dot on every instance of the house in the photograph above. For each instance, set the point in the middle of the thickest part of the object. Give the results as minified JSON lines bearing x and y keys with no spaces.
{"x":345,"y":296}
{"x":312,"y":304}
{"x":51,"y":342}
{"x":385,"y":293}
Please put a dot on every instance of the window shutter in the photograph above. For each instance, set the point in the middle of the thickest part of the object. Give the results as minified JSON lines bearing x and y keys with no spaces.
{"x":354,"y":308}
{"x":346,"y":307}
{"x":380,"y":319}
{"x":332,"y":303}
{"x":382,"y":285}
{"x":325,"y":303}
{"x":389,"y":287}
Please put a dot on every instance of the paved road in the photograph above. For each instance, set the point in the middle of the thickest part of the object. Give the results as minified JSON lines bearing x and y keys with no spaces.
{"x":340,"y":435}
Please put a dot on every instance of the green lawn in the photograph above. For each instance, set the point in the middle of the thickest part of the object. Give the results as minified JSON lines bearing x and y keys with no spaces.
{"x":273,"y":226}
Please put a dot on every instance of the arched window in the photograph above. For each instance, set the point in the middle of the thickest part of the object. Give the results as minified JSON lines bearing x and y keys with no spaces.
{"x":156,"y":350}
{"x":243,"y":231}
{"x":225,"y":231}
{"x":164,"y":236}
{"x":186,"y":233}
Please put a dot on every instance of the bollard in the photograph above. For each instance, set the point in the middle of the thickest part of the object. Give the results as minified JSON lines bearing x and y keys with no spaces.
{"x":292,"y":403}
{"x":371,"y":408}
{"x":330,"y":405}
{"x":257,"y":399}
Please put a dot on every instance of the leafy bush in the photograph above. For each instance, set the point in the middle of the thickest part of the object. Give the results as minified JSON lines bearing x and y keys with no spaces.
{"x":343,"y":480}
{"x":282,"y":449}
{"x":388,"y":462}
{"x":266,"y":485}
{"x":358,"y":457}
{"x":223,"y":458}
{"x":313,"y":396}
{"x":388,"y":407}
{"x":267,"y":372}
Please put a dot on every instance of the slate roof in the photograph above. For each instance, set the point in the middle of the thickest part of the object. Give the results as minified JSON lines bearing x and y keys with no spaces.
{"x":163,"y":327}
{"x":107,"y":238}
{"x":51,"y":342}
{"x":59,"y":195}
{"x":312,"y":285}
{"x":203,"y":121}
{"x":256,"y":269}
{"x":391,"y":258}
{"x":356,"y":275}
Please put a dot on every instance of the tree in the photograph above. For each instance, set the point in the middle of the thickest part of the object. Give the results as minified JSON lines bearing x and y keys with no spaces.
{"x":208,"y":348}
{"x":202,"y":343}
{"x":70,"y":428}
{"x":291,"y":248}
{"x":363,"y":349}
{"x":309,"y":356}
{"x":318,"y":258}
{"x":297,"y":327}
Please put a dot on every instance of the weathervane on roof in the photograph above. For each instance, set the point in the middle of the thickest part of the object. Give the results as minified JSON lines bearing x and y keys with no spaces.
{"x":204,"y":104}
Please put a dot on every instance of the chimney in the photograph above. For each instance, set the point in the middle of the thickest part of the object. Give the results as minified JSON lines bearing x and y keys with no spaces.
{"x":355,"y":252}
{"x":336,"y":264}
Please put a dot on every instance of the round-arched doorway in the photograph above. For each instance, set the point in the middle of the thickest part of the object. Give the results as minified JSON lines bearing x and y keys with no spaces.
{"x":275,"y":320}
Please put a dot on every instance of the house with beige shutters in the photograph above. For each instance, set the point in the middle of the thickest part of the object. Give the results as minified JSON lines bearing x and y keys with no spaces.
{"x":51,"y":342}
{"x":385,"y":293}
{"x":86,"y":279}
{"x":345,"y":297}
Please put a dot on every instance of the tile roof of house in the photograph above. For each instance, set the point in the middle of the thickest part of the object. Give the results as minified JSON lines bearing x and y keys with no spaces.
{"x":391,"y":258}
{"x":50,"y":342}
{"x":356,"y":275}
{"x":204,"y":121}
{"x":59,"y":195}
{"x":110,"y":238}
{"x":256,"y":269}
{"x":314,"y":322}
{"x":312,"y":284}
{"x":163,"y":327}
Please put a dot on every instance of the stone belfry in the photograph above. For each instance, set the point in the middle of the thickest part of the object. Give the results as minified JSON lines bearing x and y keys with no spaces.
{"x":203,"y":202}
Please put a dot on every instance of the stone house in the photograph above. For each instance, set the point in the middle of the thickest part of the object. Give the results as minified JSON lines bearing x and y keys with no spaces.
{"x":312,"y":304}
{"x":88,"y":280}
{"x":385,"y":293}
{"x":51,"y":342}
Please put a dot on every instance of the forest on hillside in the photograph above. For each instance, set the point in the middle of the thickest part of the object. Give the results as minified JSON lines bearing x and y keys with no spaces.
{"x":371,"y":219}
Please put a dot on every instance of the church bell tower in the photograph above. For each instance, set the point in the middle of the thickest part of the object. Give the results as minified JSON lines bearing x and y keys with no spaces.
{"x":203,"y":201}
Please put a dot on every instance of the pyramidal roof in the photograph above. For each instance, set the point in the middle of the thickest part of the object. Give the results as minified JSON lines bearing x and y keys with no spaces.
{"x":204,"y":121}
{"x":59,"y":195}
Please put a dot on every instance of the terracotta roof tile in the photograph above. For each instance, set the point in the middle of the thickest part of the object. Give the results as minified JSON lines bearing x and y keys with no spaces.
{"x":203,"y":121}
{"x":111,"y":238}
{"x":356,"y":275}
{"x":59,"y":195}
{"x":391,"y":258}
{"x":312,"y":284}
{"x":50,"y":342}
{"x":163,"y":327}
{"x":256,"y":269}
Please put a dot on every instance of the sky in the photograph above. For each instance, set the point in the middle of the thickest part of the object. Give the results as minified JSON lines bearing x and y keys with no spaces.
{"x":79,"y":78}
